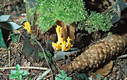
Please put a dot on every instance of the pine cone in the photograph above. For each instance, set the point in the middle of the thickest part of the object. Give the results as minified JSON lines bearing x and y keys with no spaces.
{"x":99,"y":53}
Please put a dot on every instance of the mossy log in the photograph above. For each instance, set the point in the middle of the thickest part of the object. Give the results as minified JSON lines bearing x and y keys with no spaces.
{"x":98,"y":54}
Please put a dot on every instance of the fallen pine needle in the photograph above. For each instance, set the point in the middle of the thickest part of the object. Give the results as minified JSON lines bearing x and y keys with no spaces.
{"x":27,"y":67}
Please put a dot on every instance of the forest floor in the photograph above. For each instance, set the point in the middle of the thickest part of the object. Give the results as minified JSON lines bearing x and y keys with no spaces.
{"x":17,"y":54}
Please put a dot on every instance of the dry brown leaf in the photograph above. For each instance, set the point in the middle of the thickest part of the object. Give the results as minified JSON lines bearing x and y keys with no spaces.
{"x":105,"y":70}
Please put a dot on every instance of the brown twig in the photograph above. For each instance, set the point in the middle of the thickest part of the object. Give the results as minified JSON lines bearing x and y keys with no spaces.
{"x":9,"y":57}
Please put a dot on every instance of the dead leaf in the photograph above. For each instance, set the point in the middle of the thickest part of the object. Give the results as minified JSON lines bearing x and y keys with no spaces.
{"x":104,"y":71}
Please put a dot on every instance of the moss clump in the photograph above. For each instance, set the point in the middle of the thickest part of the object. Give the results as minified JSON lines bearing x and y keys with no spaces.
{"x":97,"y":21}
{"x":68,"y":11}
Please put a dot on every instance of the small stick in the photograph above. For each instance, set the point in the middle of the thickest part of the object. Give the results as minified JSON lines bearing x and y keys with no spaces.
{"x":9,"y":57}
{"x":27,"y":67}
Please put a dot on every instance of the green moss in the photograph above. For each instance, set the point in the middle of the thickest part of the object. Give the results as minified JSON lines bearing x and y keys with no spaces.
{"x":97,"y":21}
{"x":68,"y":11}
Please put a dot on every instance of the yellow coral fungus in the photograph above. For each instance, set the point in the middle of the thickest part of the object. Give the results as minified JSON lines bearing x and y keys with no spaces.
{"x":61,"y":44}
{"x":27,"y":26}
{"x":59,"y":35}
